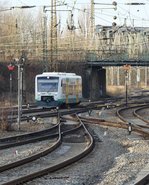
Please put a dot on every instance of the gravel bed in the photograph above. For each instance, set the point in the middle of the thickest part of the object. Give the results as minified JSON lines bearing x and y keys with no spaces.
{"x":16,"y":153}
{"x":116,"y":159}
{"x":30,"y":126}
{"x":55,"y":157}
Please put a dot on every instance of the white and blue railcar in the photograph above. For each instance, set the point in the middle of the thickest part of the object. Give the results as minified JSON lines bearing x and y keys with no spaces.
{"x":56,"y":89}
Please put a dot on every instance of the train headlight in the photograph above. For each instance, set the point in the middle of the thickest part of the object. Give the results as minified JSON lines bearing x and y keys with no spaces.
{"x":34,"y":118}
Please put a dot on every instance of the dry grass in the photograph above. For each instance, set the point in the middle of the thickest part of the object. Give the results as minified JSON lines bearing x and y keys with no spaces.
{"x":115,"y":90}
{"x":4,"y":124}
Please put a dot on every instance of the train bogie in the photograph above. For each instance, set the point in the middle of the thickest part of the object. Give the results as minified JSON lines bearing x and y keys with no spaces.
{"x":56,"y":89}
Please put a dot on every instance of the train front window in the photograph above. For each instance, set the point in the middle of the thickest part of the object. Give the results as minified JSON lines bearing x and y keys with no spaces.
{"x":47,"y":84}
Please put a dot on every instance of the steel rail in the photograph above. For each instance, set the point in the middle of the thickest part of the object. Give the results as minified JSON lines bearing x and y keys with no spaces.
{"x":31,"y":176}
{"x":114,"y":124}
{"x":38,"y":155}
{"x":139,"y":116}
{"x":119,"y":114}
{"x":31,"y":134}
{"x":44,"y":136}
{"x":44,"y":115}
{"x":31,"y":158}
{"x":145,"y":179}
{"x":22,"y":139}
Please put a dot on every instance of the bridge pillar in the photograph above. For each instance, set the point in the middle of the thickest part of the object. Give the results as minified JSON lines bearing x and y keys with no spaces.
{"x":94,"y":84}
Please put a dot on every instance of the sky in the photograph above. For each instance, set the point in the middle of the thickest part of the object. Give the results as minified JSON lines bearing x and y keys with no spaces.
{"x":105,"y":14}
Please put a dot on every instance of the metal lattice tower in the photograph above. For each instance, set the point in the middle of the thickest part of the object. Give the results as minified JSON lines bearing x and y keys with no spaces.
{"x":54,"y":65}
{"x":92,"y":19}
{"x":45,"y":54}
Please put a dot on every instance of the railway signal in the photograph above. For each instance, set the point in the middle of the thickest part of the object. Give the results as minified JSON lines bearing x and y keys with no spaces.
{"x":19,"y":64}
{"x":10,"y":68}
{"x":126,"y":67}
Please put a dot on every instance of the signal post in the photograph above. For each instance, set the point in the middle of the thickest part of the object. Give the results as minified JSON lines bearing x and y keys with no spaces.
{"x":126,"y":68}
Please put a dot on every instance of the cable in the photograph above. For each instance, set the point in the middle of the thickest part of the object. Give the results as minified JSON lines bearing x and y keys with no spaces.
{"x":131,"y":16}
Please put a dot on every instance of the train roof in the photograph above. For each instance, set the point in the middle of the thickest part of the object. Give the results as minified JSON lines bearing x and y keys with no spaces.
{"x":57,"y":74}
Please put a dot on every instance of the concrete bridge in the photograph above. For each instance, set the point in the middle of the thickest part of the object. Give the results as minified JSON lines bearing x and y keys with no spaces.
{"x":106,"y":63}
{"x":94,"y":84}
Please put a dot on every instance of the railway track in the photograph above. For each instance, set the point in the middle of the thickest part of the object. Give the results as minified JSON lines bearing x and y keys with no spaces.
{"x":141,"y":124}
{"x":28,"y":113}
{"x":142,"y":113}
{"x":124,"y":125}
{"x":144,"y":180}
{"x":75,"y":143}
{"x":27,"y":138}
{"x":37,"y":136}
{"x":128,"y":116}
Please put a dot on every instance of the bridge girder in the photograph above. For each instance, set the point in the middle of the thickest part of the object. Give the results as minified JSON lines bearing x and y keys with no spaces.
{"x":108,"y":63}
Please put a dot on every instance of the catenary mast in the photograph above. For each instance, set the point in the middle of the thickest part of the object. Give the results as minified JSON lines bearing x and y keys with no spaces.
{"x":92,"y":19}
{"x":54,"y":66}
